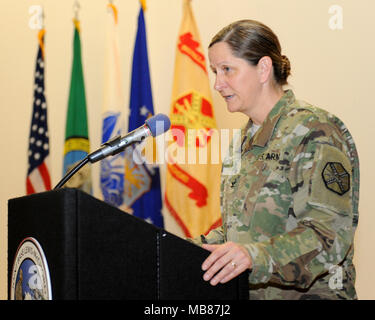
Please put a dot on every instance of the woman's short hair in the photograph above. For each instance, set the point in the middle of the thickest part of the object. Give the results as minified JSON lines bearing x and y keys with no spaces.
{"x":251,"y":40}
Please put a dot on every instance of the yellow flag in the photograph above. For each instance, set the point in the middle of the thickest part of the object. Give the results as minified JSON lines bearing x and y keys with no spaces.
{"x":192,"y":180}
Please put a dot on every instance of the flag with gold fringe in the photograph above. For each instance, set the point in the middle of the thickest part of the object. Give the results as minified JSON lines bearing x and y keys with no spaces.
{"x":192,"y":185}
{"x":112,"y":168}
{"x":77,"y":144}
{"x":38,"y":174}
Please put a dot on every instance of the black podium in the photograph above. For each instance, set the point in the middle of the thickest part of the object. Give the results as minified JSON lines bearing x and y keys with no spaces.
{"x":96,"y":251}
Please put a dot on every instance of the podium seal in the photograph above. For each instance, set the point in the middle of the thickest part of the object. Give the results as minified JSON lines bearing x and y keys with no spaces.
{"x":30,"y":275}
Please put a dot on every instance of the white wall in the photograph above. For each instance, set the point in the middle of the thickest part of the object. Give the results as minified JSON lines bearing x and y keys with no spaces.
{"x":331,"y":68}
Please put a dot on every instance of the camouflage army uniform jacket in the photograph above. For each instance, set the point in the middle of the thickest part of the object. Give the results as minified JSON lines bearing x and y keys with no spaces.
{"x":294,"y":204}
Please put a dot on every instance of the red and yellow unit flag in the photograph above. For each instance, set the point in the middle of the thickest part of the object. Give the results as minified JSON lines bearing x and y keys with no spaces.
{"x":192,"y":180}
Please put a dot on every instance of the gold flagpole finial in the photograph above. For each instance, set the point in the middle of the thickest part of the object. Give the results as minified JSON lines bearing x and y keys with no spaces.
{"x":42,"y":31}
{"x":76,"y":8}
{"x":112,"y":7}
{"x":41,"y":40}
{"x":143,"y":4}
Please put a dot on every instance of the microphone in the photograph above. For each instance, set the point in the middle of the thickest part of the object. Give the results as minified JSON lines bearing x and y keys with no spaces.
{"x":153,"y":126}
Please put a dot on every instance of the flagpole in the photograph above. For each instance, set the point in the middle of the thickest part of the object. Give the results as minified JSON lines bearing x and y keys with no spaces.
{"x":76,"y":8}
{"x":42,"y":16}
{"x":38,"y":174}
{"x":112,"y":170}
{"x":77,"y":143}
{"x":41,"y":32}
{"x":142,"y":190}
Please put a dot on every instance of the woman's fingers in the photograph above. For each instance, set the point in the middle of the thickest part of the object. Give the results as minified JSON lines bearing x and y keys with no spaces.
{"x":225,"y":262}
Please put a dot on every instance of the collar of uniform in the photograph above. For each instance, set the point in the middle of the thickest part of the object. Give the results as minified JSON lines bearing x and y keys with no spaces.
{"x":264,"y":134}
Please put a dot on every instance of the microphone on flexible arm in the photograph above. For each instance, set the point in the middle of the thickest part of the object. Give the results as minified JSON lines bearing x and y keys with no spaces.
{"x":153,"y":126}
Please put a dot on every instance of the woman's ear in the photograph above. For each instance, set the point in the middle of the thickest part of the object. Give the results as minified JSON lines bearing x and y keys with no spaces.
{"x":265,"y":69}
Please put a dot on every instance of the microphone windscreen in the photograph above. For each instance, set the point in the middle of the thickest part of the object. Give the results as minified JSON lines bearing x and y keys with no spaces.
{"x":158,"y":124}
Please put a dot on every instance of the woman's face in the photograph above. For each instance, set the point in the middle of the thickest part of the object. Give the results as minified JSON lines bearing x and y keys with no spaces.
{"x":237,"y":81}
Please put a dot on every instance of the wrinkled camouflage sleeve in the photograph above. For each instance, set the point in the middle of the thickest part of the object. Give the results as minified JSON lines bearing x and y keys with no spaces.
{"x":324,"y":231}
{"x":215,"y":236}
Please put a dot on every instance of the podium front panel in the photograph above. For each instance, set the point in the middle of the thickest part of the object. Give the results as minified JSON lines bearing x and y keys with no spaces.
{"x":182,"y":278}
{"x":96,"y":251}
{"x":50,"y":218}
{"x":118,"y":253}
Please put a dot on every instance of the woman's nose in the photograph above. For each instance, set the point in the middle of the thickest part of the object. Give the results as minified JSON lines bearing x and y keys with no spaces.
{"x":219,"y":83}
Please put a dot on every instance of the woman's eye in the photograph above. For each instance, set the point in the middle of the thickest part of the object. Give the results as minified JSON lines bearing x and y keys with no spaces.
{"x":226,"y":69}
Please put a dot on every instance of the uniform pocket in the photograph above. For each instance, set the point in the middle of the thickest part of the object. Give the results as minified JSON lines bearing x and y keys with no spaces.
{"x":269,"y":203}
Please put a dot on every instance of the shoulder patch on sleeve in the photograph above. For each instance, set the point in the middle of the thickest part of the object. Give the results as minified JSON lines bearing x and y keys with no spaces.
{"x":336,"y":178}
{"x":332,"y":171}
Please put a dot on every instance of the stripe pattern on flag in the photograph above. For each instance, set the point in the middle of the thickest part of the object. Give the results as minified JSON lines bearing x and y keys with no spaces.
{"x":38,"y":175}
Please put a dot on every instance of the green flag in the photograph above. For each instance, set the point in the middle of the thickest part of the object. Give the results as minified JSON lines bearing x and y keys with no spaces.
{"x":77,"y":144}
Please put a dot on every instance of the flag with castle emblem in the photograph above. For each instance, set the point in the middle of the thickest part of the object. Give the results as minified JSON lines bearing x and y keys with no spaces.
{"x":38,"y":175}
{"x":77,"y":144}
{"x":142,"y":180}
{"x":112,"y":168}
{"x":192,"y":187}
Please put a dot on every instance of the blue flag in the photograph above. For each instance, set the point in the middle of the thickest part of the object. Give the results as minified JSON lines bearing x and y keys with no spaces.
{"x":142,"y":181}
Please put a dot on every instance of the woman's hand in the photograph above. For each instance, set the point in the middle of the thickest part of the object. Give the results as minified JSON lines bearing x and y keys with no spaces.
{"x":225,"y":262}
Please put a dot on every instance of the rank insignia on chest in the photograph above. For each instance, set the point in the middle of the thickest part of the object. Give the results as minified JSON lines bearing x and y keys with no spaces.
{"x":336,"y":178}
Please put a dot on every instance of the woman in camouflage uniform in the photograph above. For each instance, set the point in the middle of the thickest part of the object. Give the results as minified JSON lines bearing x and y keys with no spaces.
{"x":290,"y":212}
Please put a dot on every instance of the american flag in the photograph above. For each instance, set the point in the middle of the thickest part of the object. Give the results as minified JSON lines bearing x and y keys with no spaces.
{"x":38,"y":176}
